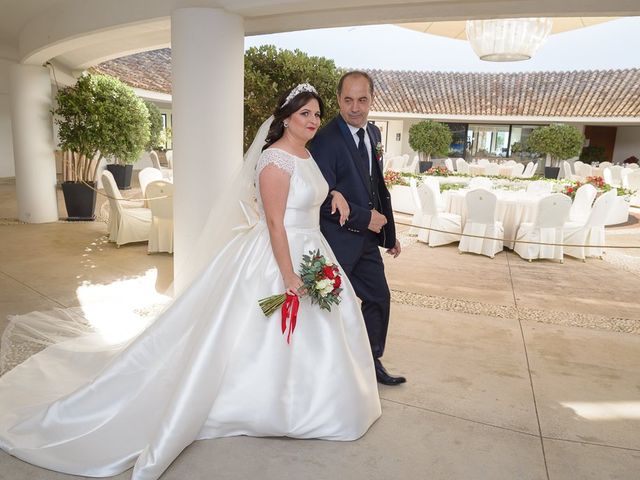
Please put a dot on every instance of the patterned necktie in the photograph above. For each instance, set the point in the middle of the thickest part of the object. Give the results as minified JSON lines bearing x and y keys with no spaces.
{"x":362,"y":150}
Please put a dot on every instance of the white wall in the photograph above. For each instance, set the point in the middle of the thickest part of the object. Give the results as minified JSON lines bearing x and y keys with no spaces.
{"x":627,"y":143}
{"x":7,"y":167}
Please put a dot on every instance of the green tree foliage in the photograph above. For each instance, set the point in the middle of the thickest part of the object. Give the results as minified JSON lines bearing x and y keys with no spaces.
{"x":99,"y":117}
{"x":155,"y":127}
{"x":558,"y":141}
{"x":270,"y":72}
{"x":430,"y":138}
{"x":592,"y":154}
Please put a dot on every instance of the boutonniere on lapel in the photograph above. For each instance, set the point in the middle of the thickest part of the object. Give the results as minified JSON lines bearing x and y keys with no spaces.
{"x":379,"y":151}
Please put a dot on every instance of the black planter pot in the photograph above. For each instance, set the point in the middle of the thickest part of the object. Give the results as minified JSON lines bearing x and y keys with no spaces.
{"x":80,"y":201}
{"x":551,"y":172}
{"x":424,"y":165}
{"x":122,"y":175}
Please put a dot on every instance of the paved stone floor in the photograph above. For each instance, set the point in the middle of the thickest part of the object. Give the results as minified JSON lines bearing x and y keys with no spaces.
{"x":516,"y":370}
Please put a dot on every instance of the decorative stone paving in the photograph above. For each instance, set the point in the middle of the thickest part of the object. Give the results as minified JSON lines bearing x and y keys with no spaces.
{"x":596,"y":322}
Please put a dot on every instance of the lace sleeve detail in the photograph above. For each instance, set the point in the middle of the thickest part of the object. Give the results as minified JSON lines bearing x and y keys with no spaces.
{"x":277,"y":158}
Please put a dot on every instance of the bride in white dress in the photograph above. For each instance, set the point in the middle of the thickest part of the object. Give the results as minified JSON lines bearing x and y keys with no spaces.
{"x":211,"y":365}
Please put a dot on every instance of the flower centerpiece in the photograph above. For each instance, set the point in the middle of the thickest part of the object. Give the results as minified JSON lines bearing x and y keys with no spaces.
{"x":322,"y":284}
{"x":439,"y":171}
{"x":596,"y":181}
{"x":391,"y":178}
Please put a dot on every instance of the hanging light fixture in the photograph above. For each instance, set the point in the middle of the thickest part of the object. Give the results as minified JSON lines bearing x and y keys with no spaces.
{"x":509,"y":39}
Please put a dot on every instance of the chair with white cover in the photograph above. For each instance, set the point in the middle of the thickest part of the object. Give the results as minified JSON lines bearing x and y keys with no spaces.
{"x":411,"y":166}
{"x":462,"y":166}
{"x":511,"y":163}
{"x":160,"y":194}
{"x":607,"y":176}
{"x":577,"y":165}
{"x":624,"y":173}
{"x":551,"y":215}
{"x":517,"y":170}
{"x":166,"y":172}
{"x":539,"y":186}
{"x":146,"y":176}
{"x":481,"y":221}
{"x":112,"y":225}
{"x":492,"y":168}
{"x":633,"y":166}
{"x":155,"y":160}
{"x":449,"y":164}
{"x":589,"y":237}
{"x":394,"y":163}
{"x":434,"y":184}
{"x":616,"y":175}
{"x":483,"y":162}
{"x":604,"y":165}
{"x":430,"y":217}
{"x":129,"y":224}
{"x":584,"y":170}
{"x":528,"y":170}
{"x":633,"y":184}
{"x":565,"y":170}
{"x":169,"y":155}
{"x":581,"y":207}
{"x":480,"y":182}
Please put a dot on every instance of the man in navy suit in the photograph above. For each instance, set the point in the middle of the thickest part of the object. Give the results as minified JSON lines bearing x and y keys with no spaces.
{"x":349,"y":154}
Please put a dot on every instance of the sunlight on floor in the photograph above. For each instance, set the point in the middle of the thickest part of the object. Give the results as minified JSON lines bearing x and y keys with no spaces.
{"x":605,"y":410}
{"x":120,"y":309}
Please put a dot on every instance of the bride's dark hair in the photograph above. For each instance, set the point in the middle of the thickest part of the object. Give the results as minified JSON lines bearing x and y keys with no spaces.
{"x":284,"y":111}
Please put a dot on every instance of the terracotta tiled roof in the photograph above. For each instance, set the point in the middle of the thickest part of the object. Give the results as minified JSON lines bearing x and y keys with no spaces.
{"x":594,"y":93}
{"x":147,"y":70}
{"x":590,"y":93}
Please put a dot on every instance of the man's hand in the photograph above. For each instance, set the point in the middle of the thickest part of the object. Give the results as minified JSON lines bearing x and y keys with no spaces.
{"x":377,"y":221}
{"x":395,"y":251}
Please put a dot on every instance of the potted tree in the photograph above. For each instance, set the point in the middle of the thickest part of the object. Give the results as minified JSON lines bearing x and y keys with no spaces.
{"x":97,"y":117}
{"x":157,"y":139}
{"x":429,"y":138}
{"x":557,"y":142}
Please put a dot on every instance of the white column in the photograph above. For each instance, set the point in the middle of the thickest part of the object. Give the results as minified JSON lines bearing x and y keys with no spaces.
{"x":207,"y":50}
{"x":30,"y":102}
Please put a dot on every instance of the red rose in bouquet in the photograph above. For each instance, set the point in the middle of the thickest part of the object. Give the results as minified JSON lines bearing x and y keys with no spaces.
{"x":321,"y":280}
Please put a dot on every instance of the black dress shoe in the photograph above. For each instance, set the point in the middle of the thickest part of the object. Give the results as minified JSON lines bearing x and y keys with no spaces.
{"x":383,"y":376}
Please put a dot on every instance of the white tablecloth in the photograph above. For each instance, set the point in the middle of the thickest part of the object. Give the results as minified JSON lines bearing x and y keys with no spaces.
{"x":512,"y":209}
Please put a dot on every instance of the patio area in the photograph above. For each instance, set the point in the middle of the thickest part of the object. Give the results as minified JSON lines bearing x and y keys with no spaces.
{"x":515,"y":370}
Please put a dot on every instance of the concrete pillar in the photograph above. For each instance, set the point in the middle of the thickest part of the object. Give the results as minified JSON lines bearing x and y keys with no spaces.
{"x":30,"y":103}
{"x":207,"y":50}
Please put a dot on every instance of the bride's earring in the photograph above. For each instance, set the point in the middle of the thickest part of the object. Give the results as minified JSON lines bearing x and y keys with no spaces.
{"x":285,"y":124}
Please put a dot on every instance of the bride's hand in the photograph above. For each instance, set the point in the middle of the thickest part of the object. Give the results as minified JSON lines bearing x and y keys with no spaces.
{"x":338,"y":202}
{"x":294,"y":285}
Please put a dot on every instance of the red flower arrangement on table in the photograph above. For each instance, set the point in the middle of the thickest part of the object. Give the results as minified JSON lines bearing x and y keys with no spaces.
{"x":392,"y":178}
{"x":322,"y":283}
{"x":598,"y":182}
{"x":439,"y":171}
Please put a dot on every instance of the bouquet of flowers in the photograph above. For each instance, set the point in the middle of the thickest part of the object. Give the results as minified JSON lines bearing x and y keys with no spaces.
{"x":321,"y":280}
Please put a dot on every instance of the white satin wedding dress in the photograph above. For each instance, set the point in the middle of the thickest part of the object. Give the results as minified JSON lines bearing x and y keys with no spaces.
{"x":211,"y":365}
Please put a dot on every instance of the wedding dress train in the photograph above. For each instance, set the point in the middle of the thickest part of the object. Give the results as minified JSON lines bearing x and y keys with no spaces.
{"x":211,"y":365}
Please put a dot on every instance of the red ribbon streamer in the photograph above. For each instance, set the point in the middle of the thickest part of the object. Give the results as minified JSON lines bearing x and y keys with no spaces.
{"x":290,"y":308}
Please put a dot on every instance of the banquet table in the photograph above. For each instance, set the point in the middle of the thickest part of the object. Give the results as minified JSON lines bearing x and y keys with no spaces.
{"x":503,"y":170}
{"x":512,"y":208}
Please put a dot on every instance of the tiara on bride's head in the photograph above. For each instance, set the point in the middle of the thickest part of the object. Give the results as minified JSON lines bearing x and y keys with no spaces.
{"x":303,"y":87}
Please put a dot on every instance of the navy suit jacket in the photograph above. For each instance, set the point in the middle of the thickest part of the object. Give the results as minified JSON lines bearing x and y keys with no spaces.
{"x":336,"y":153}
